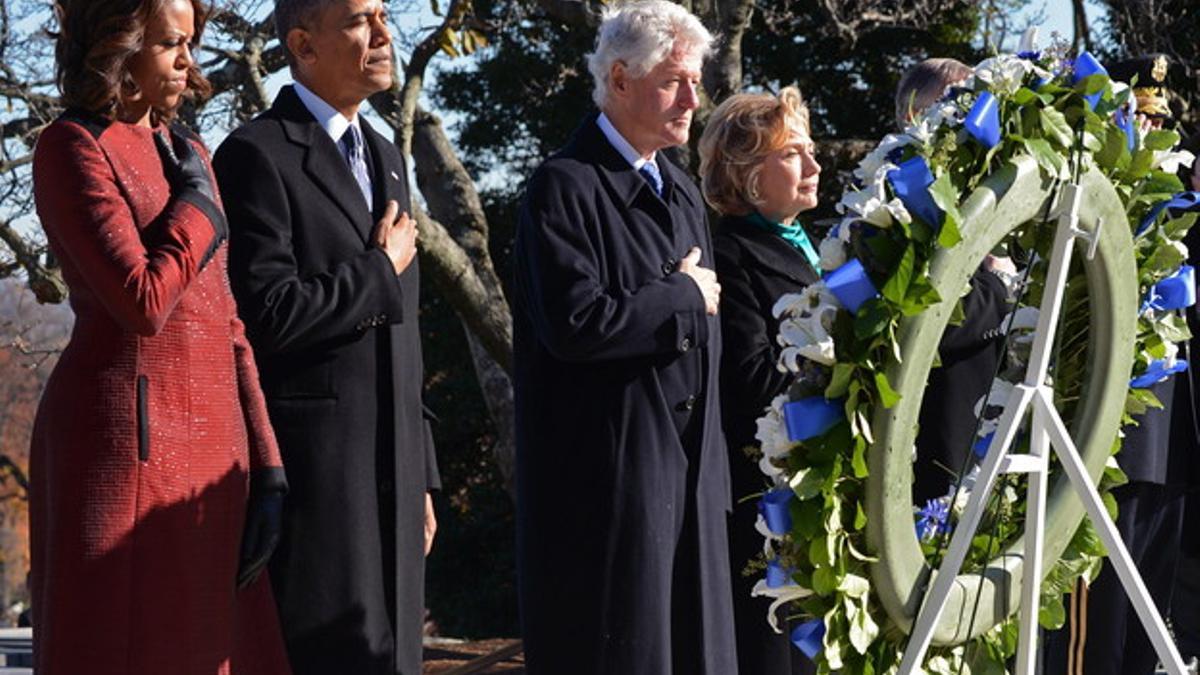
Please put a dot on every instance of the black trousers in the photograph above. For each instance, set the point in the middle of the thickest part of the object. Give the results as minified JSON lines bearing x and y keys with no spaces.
{"x":1103,"y":634}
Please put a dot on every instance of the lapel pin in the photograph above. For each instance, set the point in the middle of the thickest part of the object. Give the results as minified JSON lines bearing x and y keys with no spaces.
{"x":394,"y":176}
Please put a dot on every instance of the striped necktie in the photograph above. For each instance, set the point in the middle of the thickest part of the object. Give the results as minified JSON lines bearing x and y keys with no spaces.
{"x":352,"y":143}
{"x":649,"y":171}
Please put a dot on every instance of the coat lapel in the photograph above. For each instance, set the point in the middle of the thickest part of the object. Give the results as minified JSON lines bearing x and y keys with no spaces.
{"x":389,"y":178}
{"x":771,"y":252}
{"x":323,"y":162}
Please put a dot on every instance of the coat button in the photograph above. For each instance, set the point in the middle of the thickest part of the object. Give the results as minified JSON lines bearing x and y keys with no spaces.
{"x":686,"y":343}
{"x":669,"y":266}
{"x":687,"y":404}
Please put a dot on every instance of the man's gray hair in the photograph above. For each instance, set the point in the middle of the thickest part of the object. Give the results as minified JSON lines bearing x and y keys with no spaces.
{"x":641,"y":35}
{"x":291,"y":14}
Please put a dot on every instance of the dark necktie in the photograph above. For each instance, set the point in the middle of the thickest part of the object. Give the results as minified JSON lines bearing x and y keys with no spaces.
{"x":356,"y":157}
{"x":649,"y":171}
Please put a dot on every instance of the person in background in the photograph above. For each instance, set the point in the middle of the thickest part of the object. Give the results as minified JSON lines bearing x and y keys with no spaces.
{"x":323,"y":264}
{"x":1185,"y":434}
{"x":156,"y":481}
{"x":970,"y":351}
{"x":1103,"y":634}
{"x":757,"y":170}
{"x":622,"y":472}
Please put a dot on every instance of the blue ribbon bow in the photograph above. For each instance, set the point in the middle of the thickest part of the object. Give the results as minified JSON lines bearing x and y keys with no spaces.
{"x":777,"y":574}
{"x":983,"y":121}
{"x":1184,"y":202}
{"x":910,"y":181}
{"x":1085,"y":66}
{"x":1157,"y":372}
{"x":811,"y":416}
{"x":808,"y":637}
{"x":774,"y":509}
{"x":851,"y":285}
{"x":1175,"y":292}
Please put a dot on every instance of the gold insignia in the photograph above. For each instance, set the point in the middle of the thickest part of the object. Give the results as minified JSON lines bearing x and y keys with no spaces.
{"x":1159,"y":73}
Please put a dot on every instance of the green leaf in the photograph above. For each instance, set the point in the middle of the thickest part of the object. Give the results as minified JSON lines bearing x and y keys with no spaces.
{"x":1051,"y":614}
{"x":887,"y":396}
{"x":1047,"y":157}
{"x":806,"y":520}
{"x":824,"y":581}
{"x":1140,"y":165}
{"x":1116,"y":146}
{"x":806,"y":483}
{"x":1160,"y":139}
{"x":860,"y":517}
{"x":1056,"y":127}
{"x":858,"y":461}
{"x":871,"y":319}
{"x":945,"y":195}
{"x":1091,"y":84}
{"x":897,"y":286}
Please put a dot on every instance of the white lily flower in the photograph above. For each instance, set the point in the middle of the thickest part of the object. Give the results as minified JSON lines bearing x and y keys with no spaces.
{"x":782,"y":594}
{"x":1170,"y":161}
{"x":833,"y":253}
{"x":868,"y":168}
{"x":772,"y":436}
{"x":1003,"y":74}
{"x":805,"y":330}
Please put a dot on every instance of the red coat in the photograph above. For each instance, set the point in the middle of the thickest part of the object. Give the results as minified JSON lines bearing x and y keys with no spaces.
{"x":147,"y":430}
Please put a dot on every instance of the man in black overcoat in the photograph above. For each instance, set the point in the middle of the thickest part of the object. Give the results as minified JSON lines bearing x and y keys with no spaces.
{"x":323,"y":268}
{"x":622,"y":472}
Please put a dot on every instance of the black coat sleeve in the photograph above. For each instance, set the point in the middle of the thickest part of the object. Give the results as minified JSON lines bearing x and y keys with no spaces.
{"x":285,"y":311}
{"x":575,"y":314}
{"x":749,"y":376}
{"x":984,"y":309}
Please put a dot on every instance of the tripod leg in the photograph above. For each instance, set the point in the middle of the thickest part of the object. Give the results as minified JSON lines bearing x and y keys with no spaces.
{"x":1118,"y":556}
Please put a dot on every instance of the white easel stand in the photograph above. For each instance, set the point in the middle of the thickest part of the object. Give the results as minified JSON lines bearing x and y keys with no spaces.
{"x":1048,"y":432}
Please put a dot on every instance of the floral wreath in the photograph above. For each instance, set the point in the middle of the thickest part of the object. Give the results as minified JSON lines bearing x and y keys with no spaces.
{"x":839,"y":334}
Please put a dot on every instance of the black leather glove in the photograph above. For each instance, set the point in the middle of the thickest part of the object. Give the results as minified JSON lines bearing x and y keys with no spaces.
{"x":184,"y":167}
{"x":191,"y":182}
{"x":264,"y":524}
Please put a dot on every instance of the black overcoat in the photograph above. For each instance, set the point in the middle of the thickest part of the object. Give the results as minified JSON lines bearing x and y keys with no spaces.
{"x":755,"y":268}
{"x":969,"y":353}
{"x":622,"y":476}
{"x":338,"y":345}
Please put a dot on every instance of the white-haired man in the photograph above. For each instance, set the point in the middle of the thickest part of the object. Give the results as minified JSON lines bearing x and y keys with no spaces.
{"x":623,"y":477}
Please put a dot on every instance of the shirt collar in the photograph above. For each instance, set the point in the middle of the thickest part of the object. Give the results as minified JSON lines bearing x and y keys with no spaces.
{"x":333,"y":122}
{"x":618,"y":141}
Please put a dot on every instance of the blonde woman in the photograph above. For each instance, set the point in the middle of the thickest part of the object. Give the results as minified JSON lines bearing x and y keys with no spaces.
{"x":758,"y":171}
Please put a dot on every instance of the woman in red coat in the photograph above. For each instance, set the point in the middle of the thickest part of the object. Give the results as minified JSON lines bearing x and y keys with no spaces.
{"x":152,"y":450}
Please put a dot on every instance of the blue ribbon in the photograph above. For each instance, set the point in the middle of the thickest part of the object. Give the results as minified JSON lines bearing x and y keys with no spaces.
{"x":935,"y":517}
{"x":851,"y":285}
{"x":1085,"y":66}
{"x":982,"y":444}
{"x":1184,"y":202}
{"x":1175,"y":292}
{"x":910,"y":181}
{"x":776,"y":574}
{"x":808,"y":636}
{"x":774,"y":509}
{"x":983,"y":121}
{"x":811,"y":416}
{"x":1157,"y":372}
